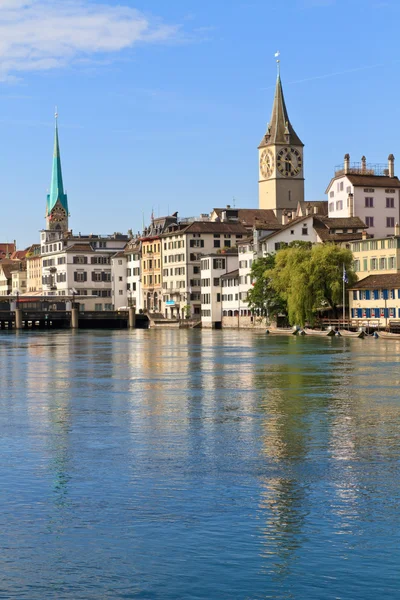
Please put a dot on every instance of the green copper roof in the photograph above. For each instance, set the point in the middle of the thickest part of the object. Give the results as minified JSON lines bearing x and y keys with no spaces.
{"x":56,"y":187}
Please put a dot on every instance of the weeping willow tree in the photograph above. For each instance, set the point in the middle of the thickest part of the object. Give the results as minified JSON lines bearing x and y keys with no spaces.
{"x":262,"y":297}
{"x":311,"y":278}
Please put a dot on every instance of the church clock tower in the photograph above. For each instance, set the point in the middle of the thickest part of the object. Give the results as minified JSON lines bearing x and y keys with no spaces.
{"x":57,"y":202}
{"x":280,"y":154}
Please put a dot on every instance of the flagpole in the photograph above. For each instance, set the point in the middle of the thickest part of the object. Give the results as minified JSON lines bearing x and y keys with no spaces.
{"x":344,"y":295}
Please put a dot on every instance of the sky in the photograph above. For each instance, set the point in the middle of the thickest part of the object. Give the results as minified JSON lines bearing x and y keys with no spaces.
{"x":162,"y":104}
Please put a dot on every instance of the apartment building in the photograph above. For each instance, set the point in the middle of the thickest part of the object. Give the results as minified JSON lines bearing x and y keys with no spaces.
{"x":34,"y":269}
{"x":183,"y":248}
{"x":376,"y":297}
{"x":368,"y":191}
{"x":212,"y":267}
{"x":133,"y":274}
{"x":376,"y":256}
{"x":80,"y":266}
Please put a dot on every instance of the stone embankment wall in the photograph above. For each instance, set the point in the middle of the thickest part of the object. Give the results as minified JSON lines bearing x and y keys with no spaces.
{"x":246,"y":322}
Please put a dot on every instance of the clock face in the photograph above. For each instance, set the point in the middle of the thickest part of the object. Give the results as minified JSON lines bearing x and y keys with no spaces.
{"x":266,"y":163}
{"x":58,"y":215}
{"x":289,"y":162}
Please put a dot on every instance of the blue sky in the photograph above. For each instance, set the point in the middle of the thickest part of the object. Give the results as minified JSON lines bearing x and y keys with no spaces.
{"x":163,"y":103}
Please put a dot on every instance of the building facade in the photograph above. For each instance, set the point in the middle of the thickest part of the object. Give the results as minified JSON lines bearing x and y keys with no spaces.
{"x":213,"y":267}
{"x":368,"y":191}
{"x":376,"y":298}
{"x":376,"y":256}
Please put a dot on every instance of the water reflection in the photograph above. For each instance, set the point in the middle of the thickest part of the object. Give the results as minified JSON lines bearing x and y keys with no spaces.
{"x":189,"y":464}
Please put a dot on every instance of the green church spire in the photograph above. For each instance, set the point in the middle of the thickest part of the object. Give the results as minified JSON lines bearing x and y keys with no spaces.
{"x":56,"y":187}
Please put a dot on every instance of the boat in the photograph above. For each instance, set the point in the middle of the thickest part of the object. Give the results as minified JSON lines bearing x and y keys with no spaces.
{"x":353,"y":334}
{"x":315,"y":332}
{"x":389,"y":335}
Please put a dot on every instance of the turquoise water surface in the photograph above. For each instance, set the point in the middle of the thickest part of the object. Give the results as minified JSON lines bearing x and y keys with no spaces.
{"x":198,"y":465}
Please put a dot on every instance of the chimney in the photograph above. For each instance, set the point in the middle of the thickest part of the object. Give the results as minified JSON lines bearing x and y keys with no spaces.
{"x":364,"y":235}
{"x":346,"y":163}
{"x":397,"y":230}
{"x":351,"y":205}
{"x":315,"y":210}
{"x":363,"y":164}
{"x":308,"y":210}
{"x":285,"y":219}
{"x":391,"y":165}
{"x":223,"y":216}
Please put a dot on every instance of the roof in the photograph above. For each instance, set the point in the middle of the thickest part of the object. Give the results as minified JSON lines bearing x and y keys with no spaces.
{"x":326,"y":236}
{"x":19,"y":254}
{"x":367,"y":180}
{"x":279,"y":126}
{"x":231,"y":274}
{"x":80,"y":247}
{"x":215,"y":227}
{"x":342,"y":223}
{"x":7,"y":248}
{"x":248,"y":216}
{"x":56,"y":186}
{"x":287,"y":226}
{"x":378,"y":282}
{"x":322,"y":206}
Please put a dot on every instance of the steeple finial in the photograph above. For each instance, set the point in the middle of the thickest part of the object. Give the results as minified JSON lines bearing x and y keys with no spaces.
{"x":278,"y":63}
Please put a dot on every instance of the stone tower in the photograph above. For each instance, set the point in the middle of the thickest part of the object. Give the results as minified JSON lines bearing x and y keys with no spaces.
{"x":280,"y":154}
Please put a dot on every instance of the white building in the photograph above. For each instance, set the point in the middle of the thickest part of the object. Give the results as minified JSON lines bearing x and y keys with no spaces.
{"x":368,"y":191}
{"x":213,"y":267}
{"x":134,"y":279}
{"x":80,"y":266}
{"x":119,"y":289}
{"x":183,"y":247}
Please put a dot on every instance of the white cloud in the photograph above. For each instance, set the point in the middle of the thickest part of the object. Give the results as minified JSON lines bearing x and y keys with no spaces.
{"x":37,"y":35}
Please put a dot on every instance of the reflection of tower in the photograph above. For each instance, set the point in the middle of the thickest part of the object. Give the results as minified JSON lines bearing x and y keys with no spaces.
{"x":57,"y":203}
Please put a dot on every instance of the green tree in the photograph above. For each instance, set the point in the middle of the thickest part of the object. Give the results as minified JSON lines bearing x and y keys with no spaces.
{"x":311,"y":278}
{"x":262,"y":296}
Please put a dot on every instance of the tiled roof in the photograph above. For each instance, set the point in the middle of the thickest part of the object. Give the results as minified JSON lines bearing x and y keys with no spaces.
{"x":321,"y":205}
{"x":248,"y":216}
{"x":82,"y":247}
{"x":367,"y":180}
{"x":231,"y":274}
{"x":384,"y":281}
{"x":215,"y":227}
{"x":342,"y":223}
{"x":325,"y":235}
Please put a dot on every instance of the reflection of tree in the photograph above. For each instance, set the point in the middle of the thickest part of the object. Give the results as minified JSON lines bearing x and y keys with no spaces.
{"x":293,"y":403}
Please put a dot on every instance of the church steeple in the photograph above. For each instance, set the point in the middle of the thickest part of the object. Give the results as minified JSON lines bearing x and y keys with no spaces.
{"x":280,"y":130}
{"x":57,"y":202}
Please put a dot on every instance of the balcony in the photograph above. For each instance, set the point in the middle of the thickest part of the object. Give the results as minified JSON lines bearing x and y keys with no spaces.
{"x":359,"y":168}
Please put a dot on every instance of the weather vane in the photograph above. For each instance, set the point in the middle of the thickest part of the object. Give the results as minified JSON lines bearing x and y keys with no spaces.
{"x":278,"y":61}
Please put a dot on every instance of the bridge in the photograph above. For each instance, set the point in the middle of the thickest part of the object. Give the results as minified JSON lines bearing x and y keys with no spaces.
{"x":21,"y":318}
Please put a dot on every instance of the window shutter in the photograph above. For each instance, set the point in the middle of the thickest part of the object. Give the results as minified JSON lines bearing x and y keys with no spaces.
{"x":368,"y":313}
{"x":85,"y":276}
{"x":368,"y":295}
{"x":385,"y":294}
{"x":359,"y":313}
{"x":352,"y":313}
{"x":354,"y":295}
{"x":386,"y":312}
{"x":376,"y":295}
{"x":75,"y":276}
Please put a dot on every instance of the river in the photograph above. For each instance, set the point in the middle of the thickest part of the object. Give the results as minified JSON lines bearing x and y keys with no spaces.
{"x":195,"y":465}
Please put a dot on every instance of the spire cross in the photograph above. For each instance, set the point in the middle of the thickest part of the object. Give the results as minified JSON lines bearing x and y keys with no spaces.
{"x":278,"y":62}
{"x":56,"y":114}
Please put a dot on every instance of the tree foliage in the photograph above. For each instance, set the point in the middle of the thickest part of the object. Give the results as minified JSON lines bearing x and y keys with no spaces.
{"x":311,"y":278}
{"x":262,"y":296}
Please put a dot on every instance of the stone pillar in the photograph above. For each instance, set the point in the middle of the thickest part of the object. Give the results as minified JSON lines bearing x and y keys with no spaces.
{"x":132,"y":317}
{"x":18,"y":318}
{"x":74,"y":318}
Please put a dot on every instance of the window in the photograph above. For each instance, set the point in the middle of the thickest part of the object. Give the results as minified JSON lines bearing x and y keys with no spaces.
{"x":369,"y":221}
{"x":389,"y":202}
{"x":341,"y":186}
{"x":119,"y":278}
{"x":120,"y":292}
{"x":216,"y":280}
{"x":197,"y":243}
{"x":227,"y":243}
{"x":304,"y":231}
{"x":382,"y":263}
{"x":374,"y":264}
{"x":369,"y":202}
{"x":80,"y":276}
{"x":331,"y":206}
{"x":98,"y":307}
{"x":217,"y":243}
{"x":292,"y":232}
{"x":219,"y":263}
{"x":373,"y":245}
{"x":389,"y":221}
{"x":339,"y":205}
{"x":79,"y":260}
{"x":392,"y":262}
{"x":120,"y":261}
{"x":331,"y":194}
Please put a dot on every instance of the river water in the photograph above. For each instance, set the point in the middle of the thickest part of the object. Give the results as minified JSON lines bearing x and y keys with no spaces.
{"x":198,"y":465}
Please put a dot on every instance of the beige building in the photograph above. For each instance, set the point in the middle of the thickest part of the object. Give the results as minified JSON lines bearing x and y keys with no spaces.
{"x":34,"y":269}
{"x":376,"y":298}
{"x":376,"y":255}
{"x":182,"y":250}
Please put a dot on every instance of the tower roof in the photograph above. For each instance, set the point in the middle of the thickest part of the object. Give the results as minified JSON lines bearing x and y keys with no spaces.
{"x":56,"y":187}
{"x":280,"y":130}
